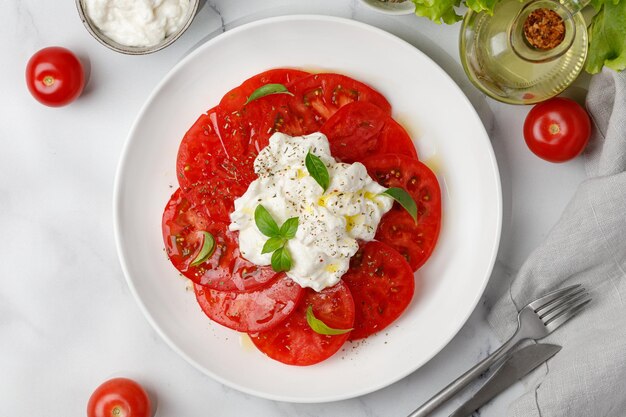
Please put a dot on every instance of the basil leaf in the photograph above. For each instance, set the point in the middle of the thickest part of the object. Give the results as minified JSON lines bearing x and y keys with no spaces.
{"x":264,"y":221}
{"x":405,"y":200}
{"x":208,"y":247}
{"x":281,"y":260}
{"x":272,"y":244}
{"x":289,"y":228}
{"x":317,"y":170}
{"x":266,"y":90}
{"x":319,"y":326}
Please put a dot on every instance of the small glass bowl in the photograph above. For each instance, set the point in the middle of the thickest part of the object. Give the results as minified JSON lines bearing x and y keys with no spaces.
{"x":134,"y":50}
{"x":391,"y":8}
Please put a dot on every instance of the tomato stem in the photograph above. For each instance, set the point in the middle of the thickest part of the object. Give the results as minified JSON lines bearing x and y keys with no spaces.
{"x":554,"y":128}
{"x":48,"y":80}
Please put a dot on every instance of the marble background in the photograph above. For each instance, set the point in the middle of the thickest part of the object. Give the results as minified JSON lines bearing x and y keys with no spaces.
{"x":67,"y":318}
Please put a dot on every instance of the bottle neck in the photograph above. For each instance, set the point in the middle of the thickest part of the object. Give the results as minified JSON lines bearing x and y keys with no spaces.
{"x":575,"y":6}
{"x":545,"y":15}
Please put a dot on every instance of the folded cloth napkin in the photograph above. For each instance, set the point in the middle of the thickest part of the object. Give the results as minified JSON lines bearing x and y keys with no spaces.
{"x":587,"y":378}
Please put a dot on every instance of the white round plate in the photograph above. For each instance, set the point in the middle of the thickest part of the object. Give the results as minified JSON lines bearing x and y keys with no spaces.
{"x":449,"y":137}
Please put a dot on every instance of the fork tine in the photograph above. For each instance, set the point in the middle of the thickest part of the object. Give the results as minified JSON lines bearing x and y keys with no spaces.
{"x":562,"y":307}
{"x":557,"y":321}
{"x":555,"y":304}
{"x":550,"y":297}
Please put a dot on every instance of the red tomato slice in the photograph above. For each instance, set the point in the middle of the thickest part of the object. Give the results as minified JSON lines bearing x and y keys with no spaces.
{"x":253,"y":311}
{"x":226,"y":269}
{"x":382,"y":285}
{"x":397,"y":229}
{"x":247,"y":127}
{"x":360,"y":129}
{"x":208,"y":172}
{"x":294,"y":342}
{"x":319,"y":96}
{"x":267,"y":115}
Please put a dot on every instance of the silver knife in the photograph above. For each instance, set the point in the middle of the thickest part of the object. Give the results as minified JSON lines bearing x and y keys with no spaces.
{"x":520,"y":364}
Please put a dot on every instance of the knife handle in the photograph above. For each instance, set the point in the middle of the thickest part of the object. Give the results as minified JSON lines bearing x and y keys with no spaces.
{"x":461,"y":382}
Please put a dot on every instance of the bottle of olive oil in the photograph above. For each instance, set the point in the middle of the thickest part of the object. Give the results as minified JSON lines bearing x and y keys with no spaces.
{"x":525,"y":52}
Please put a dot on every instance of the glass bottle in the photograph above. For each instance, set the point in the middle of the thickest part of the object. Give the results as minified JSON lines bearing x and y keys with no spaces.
{"x":500,"y":61}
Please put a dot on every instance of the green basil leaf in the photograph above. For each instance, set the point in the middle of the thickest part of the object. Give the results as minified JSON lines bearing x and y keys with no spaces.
{"x":208,"y":247}
{"x":607,"y":37}
{"x":289,"y":228}
{"x":272,"y":244}
{"x":266,"y":90}
{"x":319,"y":326}
{"x":405,"y":200}
{"x":264,"y":221}
{"x":317,"y":170}
{"x":281,"y":260}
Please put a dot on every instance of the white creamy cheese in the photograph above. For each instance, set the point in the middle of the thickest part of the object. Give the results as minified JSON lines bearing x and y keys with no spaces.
{"x":329,"y":222}
{"x":137,"y":22}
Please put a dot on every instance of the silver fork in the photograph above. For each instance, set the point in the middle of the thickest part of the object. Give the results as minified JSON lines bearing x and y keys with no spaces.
{"x":535,"y":321}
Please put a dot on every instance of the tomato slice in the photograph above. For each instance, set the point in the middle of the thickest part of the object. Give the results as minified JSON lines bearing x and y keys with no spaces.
{"x":360,"y":129}
{"x":210,"y":174}
{"x":200,"y":143}
{"x":253,"y":311}
{"x":382,"y":285}
{"x":225,"y":269}
{"x":415,"y":241}
{"x":319,"y":96}
{"x":247,"y":127}
{"x":294,"y":342}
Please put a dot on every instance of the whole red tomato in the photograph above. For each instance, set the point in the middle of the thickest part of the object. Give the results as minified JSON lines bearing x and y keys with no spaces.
{"x":54,"y":76}
{"x":557,"y":130}
{"x":119,"y":397}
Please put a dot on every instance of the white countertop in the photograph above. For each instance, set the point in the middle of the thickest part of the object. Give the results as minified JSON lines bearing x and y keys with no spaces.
{"x":67,"y":318}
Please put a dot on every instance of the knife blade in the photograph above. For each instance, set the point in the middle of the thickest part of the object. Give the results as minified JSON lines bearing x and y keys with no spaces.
{"x":520,"y":364}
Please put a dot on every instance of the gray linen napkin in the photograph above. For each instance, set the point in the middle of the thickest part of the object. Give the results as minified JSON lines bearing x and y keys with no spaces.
{"x":587,"y":378}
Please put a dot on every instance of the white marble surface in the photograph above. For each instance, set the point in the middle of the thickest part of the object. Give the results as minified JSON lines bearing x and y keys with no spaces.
{"x":67,"y":318}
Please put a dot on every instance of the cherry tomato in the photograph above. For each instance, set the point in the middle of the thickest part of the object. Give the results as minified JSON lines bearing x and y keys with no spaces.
{"x":119,"y":397}
{"x":557,"y":130}
{"x":54,"y":76}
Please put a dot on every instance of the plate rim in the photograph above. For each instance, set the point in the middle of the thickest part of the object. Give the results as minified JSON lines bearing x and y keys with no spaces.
{"x":123,"y":166}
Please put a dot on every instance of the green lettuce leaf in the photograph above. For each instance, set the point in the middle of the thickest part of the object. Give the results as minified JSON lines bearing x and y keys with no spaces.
{"x":481,"y":5}
{"x":607,"y":37}
{"x":438,"y":10}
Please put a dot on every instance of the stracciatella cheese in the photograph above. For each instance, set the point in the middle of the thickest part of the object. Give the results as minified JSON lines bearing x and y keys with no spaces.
{"x":329,"y":222}
{"x":137,"y":22}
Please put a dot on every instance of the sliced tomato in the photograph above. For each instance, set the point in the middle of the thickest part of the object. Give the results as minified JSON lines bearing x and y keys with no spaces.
{"x":253,"y":311}
{"x":247,"y":127}
{"x":225,"y":269}
{"x":200,"y":143}
{"x":210,"y":174}
{"x":319,"y":96}
{"x":415,"y":241}
{"x":294,"y":342}
{"x":360,"y":129}
{"x":382,"y":285}
{"x":267,"y":115}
